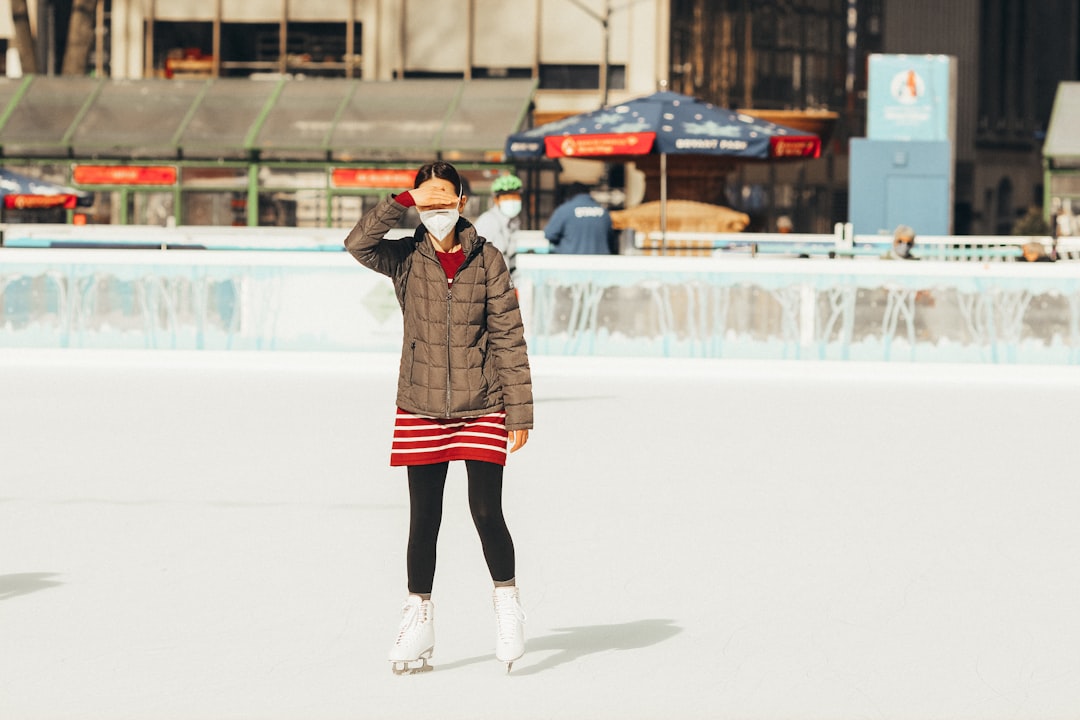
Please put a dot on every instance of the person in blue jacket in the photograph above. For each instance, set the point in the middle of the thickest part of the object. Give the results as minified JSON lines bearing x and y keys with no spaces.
{"x":581,"y":226}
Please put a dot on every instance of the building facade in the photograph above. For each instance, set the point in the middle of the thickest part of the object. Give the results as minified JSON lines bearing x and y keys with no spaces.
{"x":559,"y":42}
{"x":1011,"y":56}
{"x":576,"y":53}
{"x":783,"y":54}
{"x":775,"y":56}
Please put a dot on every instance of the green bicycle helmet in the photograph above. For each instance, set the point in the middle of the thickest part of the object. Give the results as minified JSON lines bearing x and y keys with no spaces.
{"x":506,"y":184}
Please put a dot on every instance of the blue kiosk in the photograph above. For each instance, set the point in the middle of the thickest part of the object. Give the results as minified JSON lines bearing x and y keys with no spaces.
{"x":902,"y":172}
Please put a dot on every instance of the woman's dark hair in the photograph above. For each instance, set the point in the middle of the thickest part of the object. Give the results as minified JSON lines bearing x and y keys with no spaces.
{"x":441,"y":170}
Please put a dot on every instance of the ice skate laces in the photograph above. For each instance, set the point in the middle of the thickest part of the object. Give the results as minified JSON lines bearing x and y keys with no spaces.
{"x":508,"y":615}
{"x":412,"y":615}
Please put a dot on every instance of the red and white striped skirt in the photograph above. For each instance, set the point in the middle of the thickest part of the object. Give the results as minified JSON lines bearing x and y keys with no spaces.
{"x":422,"y":440}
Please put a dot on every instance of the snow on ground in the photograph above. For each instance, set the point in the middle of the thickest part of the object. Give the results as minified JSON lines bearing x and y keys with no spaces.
{"x":215,"y":535}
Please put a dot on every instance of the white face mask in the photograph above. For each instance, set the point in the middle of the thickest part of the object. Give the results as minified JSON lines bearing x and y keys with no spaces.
{"x":440,"y":223}
{"x":510,"y":208}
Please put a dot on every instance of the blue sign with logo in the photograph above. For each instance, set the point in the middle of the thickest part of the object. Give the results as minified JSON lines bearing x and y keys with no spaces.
{"x":912,"y":97}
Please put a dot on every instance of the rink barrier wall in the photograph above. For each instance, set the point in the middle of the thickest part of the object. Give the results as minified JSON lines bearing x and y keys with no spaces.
{"x":717,"y":307}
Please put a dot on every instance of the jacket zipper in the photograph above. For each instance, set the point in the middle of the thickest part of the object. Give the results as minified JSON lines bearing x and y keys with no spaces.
{"x":449,"y":297}
{"x":449,"y":294}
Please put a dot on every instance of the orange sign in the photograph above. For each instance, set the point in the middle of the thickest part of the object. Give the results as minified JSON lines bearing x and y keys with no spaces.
{"x":795,"y":147}
{"x":31,"y":202}
{"x":124,"y":175}
{"x":372,"y":177}
{"x":598,"y":145}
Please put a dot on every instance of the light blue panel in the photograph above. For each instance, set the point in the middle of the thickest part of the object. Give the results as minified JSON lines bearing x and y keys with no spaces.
{"x":900,"y":182}
{"x":921,"y":201}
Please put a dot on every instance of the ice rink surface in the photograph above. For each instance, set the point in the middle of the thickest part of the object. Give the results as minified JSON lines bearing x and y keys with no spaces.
{"x":207,"y":536}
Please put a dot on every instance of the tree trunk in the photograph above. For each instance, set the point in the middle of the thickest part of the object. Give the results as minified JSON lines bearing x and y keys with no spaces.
{"x":80,"y":37}
{"x":24,"y":39}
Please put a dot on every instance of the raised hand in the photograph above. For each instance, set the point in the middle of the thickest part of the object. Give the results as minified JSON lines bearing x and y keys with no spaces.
{"x":434,"y":196}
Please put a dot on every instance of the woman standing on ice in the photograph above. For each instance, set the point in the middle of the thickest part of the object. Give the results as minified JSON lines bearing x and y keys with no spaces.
{"x":464,"y":391}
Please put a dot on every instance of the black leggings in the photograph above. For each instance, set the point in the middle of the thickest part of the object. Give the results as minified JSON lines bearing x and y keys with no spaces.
{"x":426,"y":485}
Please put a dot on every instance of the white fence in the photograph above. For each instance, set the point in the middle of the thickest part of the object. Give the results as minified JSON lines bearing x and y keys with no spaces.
{"x":841,"y":244}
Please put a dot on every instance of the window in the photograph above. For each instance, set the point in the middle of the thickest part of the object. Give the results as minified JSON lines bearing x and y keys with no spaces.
{"x":250,"y":47}
{"x":499,"y":73}
{"x":185,"y":49}
{"x":580,"y":77}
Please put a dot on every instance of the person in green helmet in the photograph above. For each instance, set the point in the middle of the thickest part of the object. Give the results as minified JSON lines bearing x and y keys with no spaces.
{"x":502,"y":219}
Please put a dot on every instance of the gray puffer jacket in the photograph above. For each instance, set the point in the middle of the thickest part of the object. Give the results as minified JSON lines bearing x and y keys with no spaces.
{"x":463,"y":352}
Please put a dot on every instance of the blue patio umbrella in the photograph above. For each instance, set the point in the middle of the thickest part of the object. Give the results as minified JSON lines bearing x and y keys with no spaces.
{"x":22,"y":192}
{"x":664,"y":123}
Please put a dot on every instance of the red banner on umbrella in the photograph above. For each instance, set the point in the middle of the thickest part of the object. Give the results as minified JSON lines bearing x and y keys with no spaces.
{"x":803,"y":146}
{"x":32,"y":202}
{"x":599,"y":145}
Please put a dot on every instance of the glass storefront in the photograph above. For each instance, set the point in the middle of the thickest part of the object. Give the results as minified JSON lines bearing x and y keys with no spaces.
{"x":281,"y":195}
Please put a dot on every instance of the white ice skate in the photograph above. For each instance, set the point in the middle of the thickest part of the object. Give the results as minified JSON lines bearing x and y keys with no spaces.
{"x":415,"y":639}
{"x":509,"y":626}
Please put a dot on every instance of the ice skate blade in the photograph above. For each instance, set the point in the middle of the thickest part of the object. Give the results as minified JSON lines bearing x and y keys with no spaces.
{"x":403,"y":667}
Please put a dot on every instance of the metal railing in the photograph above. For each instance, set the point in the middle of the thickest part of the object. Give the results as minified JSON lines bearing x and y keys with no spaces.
{"x":842,"y":243}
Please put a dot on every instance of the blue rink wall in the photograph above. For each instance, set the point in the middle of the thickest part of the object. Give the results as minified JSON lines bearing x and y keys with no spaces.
{"x":718,"y":307}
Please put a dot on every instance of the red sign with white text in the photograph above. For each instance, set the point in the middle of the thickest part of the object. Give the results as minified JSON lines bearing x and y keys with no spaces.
{"x":372,"y":177}
{"x":124,"y":175}
{"x":804,"y":146}
{"x":599,"y":145}
{"x":31,"y":202}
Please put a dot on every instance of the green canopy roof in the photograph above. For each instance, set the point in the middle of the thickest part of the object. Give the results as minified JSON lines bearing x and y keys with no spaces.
{"x":280,"y":119}
{"x":1062,"y":146}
